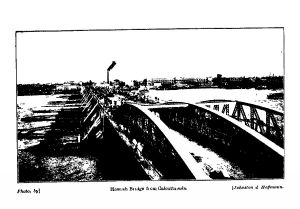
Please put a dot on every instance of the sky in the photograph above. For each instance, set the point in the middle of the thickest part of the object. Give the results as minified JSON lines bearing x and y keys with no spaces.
{"x":50,"y":57}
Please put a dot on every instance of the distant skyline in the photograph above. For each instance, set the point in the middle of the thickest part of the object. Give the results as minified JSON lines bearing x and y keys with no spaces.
{"x":50,"y":57}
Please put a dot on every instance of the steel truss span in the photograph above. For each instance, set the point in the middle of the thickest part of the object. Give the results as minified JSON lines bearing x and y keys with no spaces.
{"x":266,"y":121}
{"x":246,"y":138}
{"x":255,"y":154}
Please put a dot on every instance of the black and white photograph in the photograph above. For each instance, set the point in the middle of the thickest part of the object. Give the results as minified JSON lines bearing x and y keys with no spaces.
{"x":150,"y":104}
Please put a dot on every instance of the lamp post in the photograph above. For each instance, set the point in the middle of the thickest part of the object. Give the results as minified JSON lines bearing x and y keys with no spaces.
{"x":105,"y":106}
{"x":109,"y":69}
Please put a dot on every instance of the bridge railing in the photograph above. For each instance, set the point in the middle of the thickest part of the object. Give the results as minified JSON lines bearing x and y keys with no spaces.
{"x":257,"y":156}
{"x":266,"y":121}
{"x":152,"y":143}
{"x":92,"y":124}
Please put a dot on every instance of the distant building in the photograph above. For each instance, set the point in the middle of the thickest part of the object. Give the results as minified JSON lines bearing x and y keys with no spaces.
{"x":103,"y":85}
{"x":67,"y":87}
{"x":162,"y":80}
{"x":156,"y":85}
{"x":116,"y":100}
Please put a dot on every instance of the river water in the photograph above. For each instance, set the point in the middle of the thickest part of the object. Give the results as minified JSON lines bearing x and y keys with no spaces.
{"x":34,"y":167}
{"x":196,"y":95}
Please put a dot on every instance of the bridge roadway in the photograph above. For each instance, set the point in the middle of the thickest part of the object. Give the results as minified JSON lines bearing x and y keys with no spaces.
{"x":178,"y":144}
{"x":187,"y":141}
{"x":202,"y":162}
{"x":254,"y":133}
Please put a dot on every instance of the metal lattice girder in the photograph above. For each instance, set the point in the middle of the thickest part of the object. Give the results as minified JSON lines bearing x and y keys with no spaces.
{"x":91,"y":120}
{"x":90,"y":112}
{"x":91,"y":106}
{"x":252,"y":117}
{"x":216,"y":107}
{"x":85,"y":97}
{"x":88,"y":104}
{"x":244,"y":115}
{"x":235,"y":112}
{"x":268,"y":126}
{"x":239,"y":110}
{"x":255,"y":120}
{"x":95,"y":124}
{"x":225,"y":109}
{"x":271,"y":126}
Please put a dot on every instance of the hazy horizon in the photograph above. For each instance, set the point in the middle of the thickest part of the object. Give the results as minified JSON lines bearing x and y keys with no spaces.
{"x":177,"y":78}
